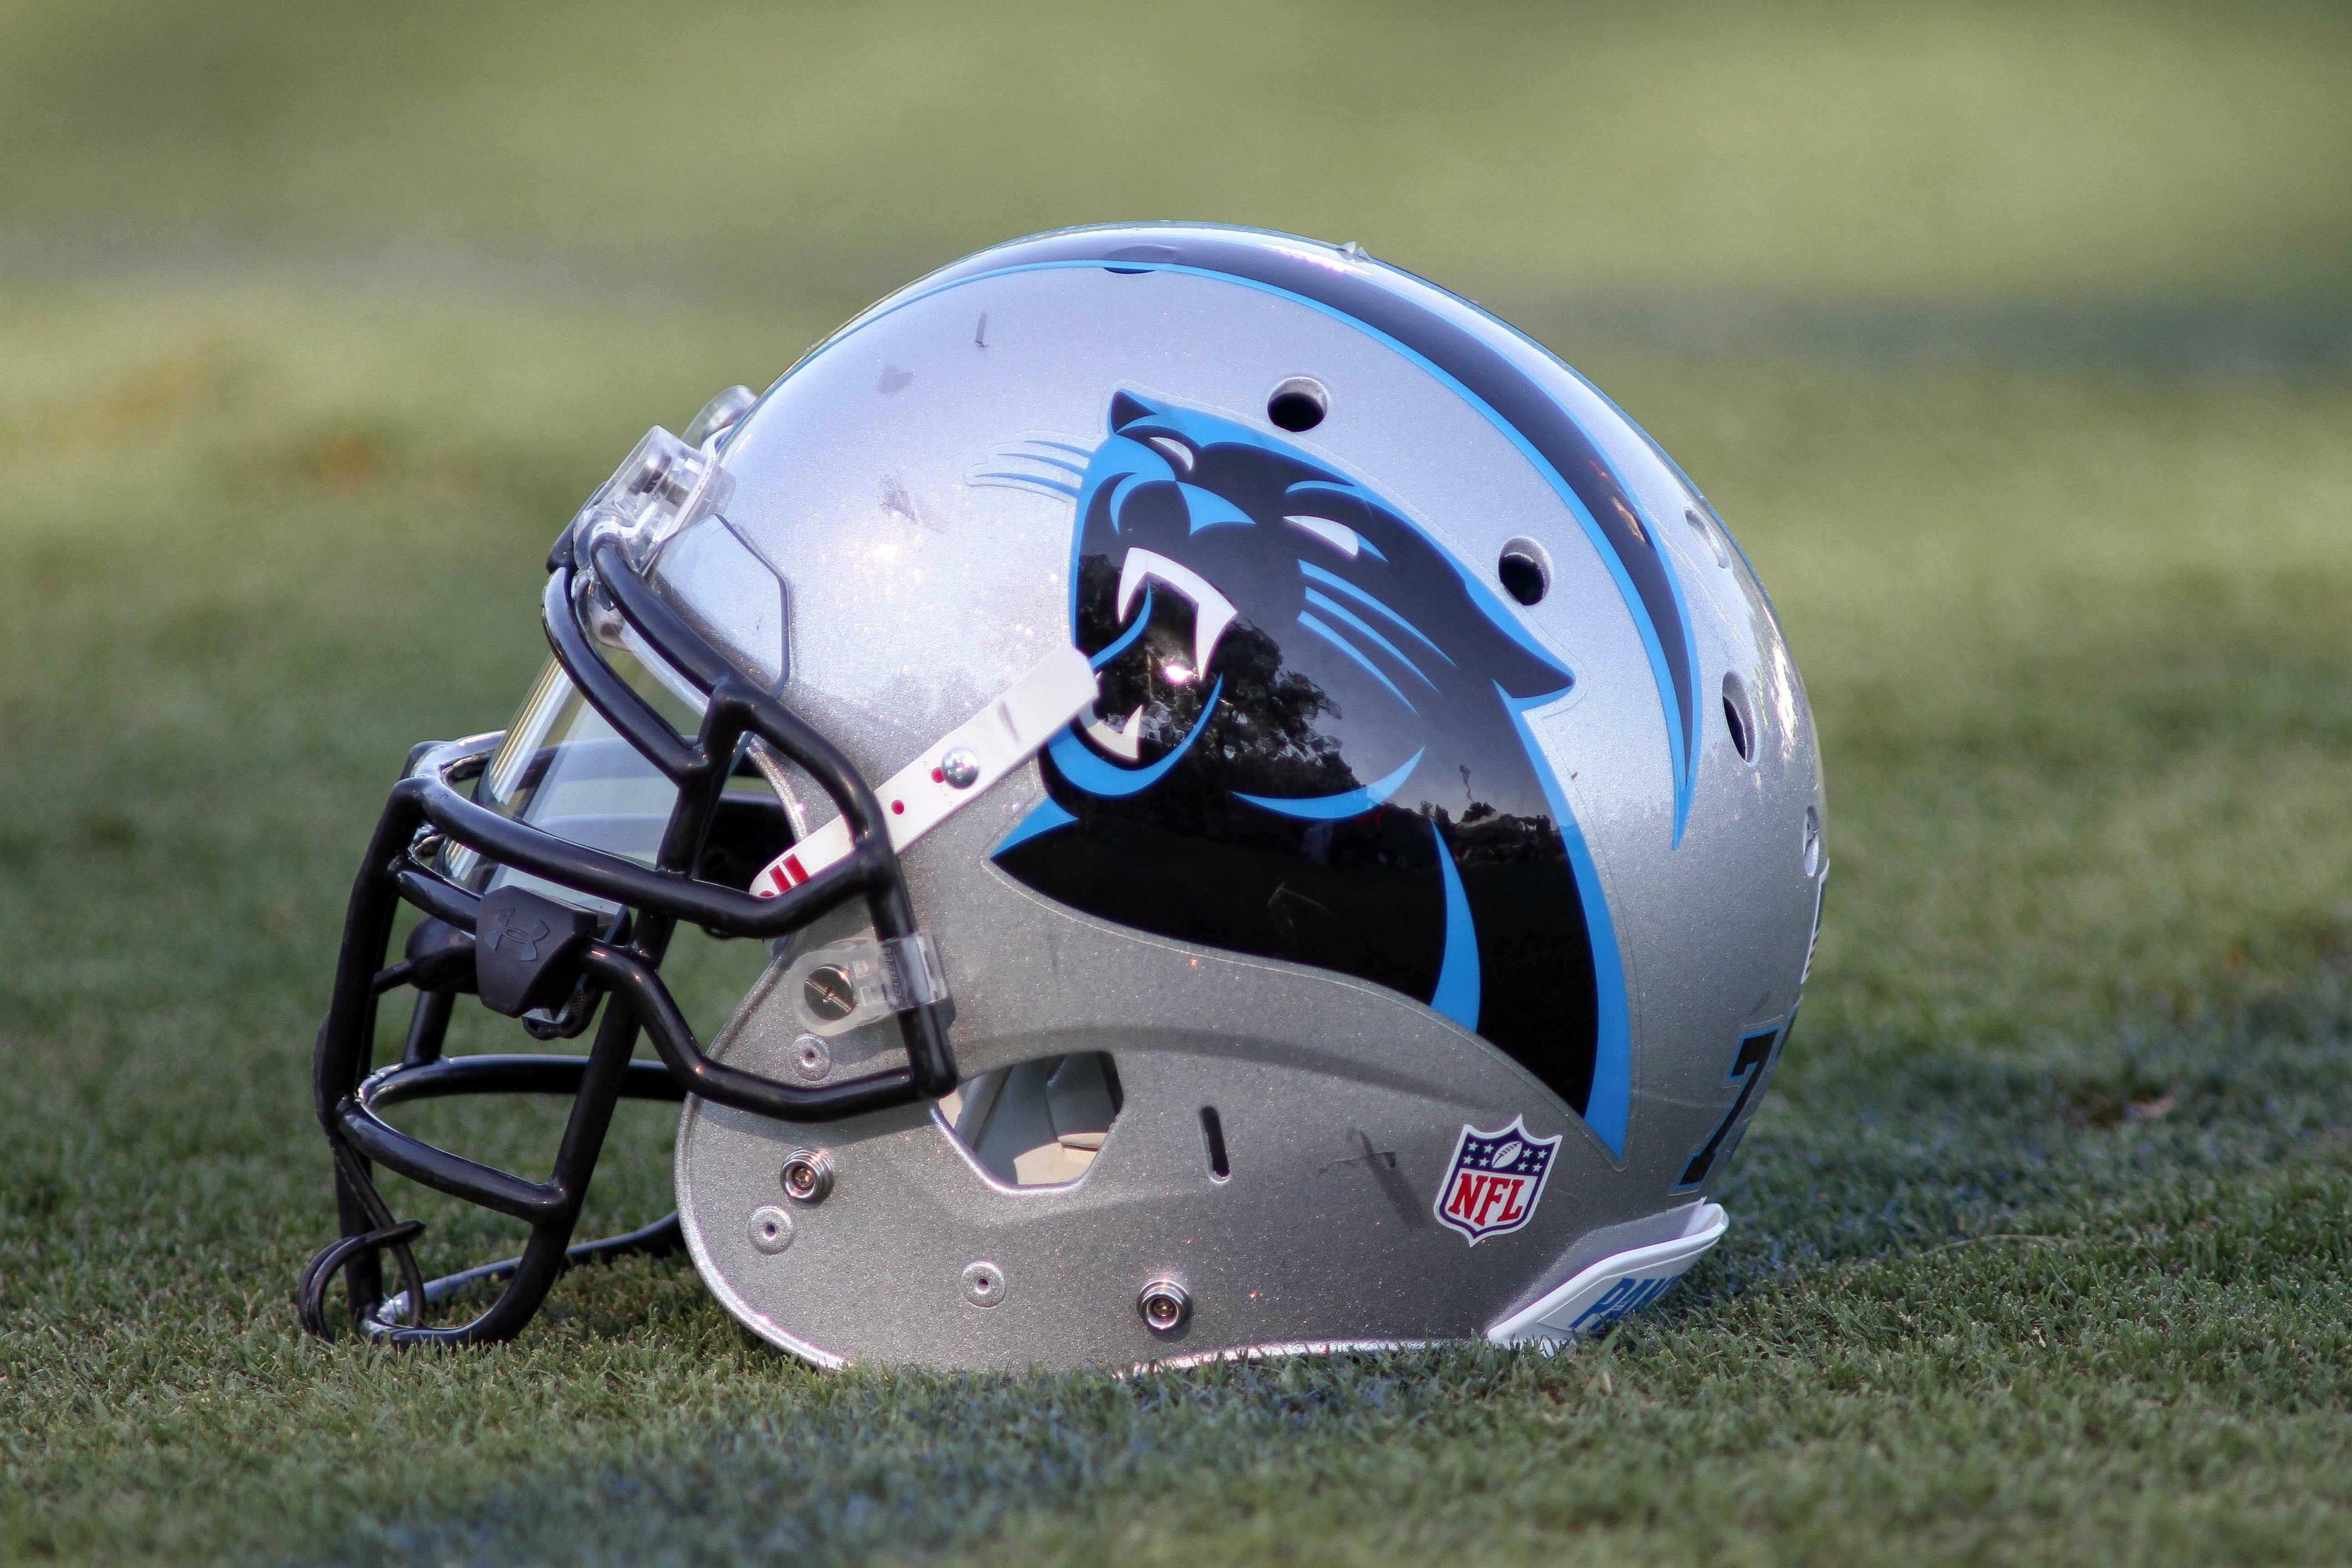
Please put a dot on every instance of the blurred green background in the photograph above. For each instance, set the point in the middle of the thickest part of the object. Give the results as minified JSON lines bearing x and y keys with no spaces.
{"x":1796,"y":154}
{"x":2015,"y":342}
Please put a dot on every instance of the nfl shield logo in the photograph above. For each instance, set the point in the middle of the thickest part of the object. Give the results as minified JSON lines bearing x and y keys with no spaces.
{"x":1496,"y":1180}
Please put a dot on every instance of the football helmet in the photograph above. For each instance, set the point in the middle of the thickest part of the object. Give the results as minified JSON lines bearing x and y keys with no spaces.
{"x":1271,"y":816}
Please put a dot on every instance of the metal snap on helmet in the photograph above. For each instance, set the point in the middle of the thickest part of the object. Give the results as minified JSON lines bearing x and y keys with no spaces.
{"x":1277,"y":817}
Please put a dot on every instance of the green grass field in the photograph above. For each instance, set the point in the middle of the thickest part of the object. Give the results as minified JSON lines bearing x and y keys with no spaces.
{"x":2015,"y":342}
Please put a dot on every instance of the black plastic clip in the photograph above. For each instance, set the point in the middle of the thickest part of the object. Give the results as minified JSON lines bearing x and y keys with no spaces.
{"x":527,"y":950}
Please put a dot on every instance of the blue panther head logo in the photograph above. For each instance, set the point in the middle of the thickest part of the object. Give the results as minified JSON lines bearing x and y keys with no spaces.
{"x":1311,"y":743}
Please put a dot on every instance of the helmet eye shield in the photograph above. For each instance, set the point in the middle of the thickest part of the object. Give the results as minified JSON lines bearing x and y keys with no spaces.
{"x":563,"y":769}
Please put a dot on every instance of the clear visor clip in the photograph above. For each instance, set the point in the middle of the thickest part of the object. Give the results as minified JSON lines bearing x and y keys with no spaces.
{"x":662,"y":486}
{"x":845,"y":985}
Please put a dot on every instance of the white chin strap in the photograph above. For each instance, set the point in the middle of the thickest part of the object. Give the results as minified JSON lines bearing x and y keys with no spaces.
{"x":955,"y":770}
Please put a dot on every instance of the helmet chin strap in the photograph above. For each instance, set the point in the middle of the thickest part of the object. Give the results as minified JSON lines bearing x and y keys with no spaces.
{"x":955,"y":770}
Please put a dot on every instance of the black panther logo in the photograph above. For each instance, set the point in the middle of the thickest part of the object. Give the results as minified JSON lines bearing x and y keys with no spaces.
{"x":1309,"y":744}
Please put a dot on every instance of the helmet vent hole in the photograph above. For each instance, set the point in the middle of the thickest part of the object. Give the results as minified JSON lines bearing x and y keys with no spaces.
{"x":1298,"y":403}
{"x":1213,"y":1133}
{"x":1525,"y":574}
{"x":1738,"y":718}
{"x":1037,"y":1123}
{"x":1708,"y":535}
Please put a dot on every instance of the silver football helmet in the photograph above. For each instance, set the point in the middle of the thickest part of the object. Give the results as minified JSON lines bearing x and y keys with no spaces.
{"x":1280,"y":820}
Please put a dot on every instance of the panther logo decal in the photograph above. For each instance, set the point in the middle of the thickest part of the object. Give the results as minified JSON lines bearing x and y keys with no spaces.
{"x":1311,"y":744}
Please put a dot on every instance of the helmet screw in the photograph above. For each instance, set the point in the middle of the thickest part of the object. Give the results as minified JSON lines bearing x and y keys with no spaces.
{"x":983,"y":1284}
{"x":772,"y":1229}
{"x":959,"y":768}
{"x":808,"y":1176}
{"x":811,"y":1059}
{"x":1164,"y":1306}
{"x":829,"y":992}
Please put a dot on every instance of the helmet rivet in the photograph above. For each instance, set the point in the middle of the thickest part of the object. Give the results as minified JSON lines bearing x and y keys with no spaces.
{"x":772,"y":1229}
{"x":1164,"y":1306}
{"x":808,"y":1176}
{"x":959,"y":768}
{"x":829,"y":992}
{"x":983,"y":1284}
{"x":811,"y":1059}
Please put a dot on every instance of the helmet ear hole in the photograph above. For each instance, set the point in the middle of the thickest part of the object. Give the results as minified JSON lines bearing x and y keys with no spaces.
{"x":1037,"y":1123}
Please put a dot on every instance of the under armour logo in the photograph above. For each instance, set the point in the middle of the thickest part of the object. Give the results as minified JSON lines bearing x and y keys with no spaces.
{"x":506,"y":930}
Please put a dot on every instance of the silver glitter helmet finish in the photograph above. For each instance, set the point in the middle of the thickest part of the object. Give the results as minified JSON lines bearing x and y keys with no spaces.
{"x":1363,"y":822}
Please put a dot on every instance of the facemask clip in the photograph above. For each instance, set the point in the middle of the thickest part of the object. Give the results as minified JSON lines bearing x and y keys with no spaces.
{"x":662,"y":486}
{"x":843,"y":985}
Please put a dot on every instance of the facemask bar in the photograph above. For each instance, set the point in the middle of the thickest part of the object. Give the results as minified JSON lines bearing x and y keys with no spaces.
{"x":613,"y":959}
